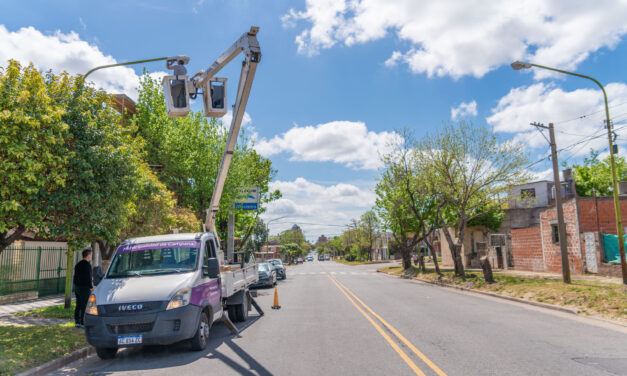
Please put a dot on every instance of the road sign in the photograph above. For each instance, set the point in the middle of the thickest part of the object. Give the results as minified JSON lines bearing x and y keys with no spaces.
{"x":249,"y":199}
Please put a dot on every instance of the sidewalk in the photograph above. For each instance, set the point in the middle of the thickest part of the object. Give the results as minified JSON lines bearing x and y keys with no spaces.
{"x":8,"y":310}
{"x":12,"y":308}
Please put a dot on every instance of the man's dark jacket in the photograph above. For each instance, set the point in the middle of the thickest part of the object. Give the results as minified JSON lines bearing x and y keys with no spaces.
{"x":82,"y":274}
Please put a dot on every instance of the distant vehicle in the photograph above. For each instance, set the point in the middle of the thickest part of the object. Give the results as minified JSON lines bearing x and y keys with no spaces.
{"x":279,"y":267}
{"x":320,"y":258}
{"x":309,"y":258}
{"x":299,"y":260}
{"x":267,"y":275}
{"x":327,"y":257}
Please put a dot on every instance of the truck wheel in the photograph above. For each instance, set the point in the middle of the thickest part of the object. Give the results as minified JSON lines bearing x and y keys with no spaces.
{"x":232,"y":312}
{"x":106,"y":352}
{"x":201,"y":338}
{"x":241,"y":310}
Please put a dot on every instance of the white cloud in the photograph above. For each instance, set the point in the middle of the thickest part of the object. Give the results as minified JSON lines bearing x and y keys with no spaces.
{"x":464,"y":110}
{"x":457,"y":38}
{"x":228,"y":118}
{"x":317,"y":209}
{"x":344,"y":142}
{"x":67,"y":52}
{"x":548,"y":103}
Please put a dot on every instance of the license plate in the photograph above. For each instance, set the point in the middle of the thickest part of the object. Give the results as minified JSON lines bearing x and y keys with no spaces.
{"x":130,"y":340}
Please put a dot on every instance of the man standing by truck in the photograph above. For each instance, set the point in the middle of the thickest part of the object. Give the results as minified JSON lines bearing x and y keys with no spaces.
{"x":83,"y":286}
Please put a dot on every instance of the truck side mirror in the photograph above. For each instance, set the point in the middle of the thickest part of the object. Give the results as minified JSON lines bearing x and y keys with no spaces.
{"x":212,"y":269}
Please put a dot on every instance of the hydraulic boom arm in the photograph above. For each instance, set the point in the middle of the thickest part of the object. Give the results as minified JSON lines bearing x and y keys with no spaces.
{"x":249,"y":45}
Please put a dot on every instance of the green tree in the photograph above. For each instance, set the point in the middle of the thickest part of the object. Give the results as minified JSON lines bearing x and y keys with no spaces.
{"x":471,"y":167}
{"x":103,"y":170}
{"x":422,"y":198}
{"x":33,"y":151}
{"x":393,"y":206}
{"x":187,"y":151}
{"x":596,"y":175}
{"x":369,"y":226}
{"x":259,"y":236}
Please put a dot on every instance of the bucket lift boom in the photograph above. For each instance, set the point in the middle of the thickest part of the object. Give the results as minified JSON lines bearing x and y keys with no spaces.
{"x":249,"y":45}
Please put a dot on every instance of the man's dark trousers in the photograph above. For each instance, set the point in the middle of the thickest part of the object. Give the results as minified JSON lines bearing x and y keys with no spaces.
{"x":82,"y":295}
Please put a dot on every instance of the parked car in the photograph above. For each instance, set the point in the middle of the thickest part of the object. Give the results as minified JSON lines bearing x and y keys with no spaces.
{"x":279,"y":267}
{"x":320,"y":258}
{"x":327,"y":257}
{"x":309,"y":258}
{"x":267,"y":275}
{"x":299,"y":260}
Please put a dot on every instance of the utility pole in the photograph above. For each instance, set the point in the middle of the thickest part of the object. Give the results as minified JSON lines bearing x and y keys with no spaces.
{"x":561,"y":225}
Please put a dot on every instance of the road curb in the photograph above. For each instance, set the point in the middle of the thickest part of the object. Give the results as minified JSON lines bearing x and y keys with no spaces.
{"x":59,"y":362}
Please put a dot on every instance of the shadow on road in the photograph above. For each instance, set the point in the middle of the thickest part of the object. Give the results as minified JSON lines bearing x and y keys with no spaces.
{"x":146,"y":358}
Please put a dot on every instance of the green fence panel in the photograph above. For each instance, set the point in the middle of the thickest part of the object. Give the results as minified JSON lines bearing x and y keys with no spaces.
{"x":40,"y":269}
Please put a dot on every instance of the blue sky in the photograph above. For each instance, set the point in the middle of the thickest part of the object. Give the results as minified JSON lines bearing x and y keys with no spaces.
{"x":338,"y":78}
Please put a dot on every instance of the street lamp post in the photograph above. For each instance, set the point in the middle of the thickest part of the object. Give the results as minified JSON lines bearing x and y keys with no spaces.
{"x":268,"y":228}
{"x":518,"y":65}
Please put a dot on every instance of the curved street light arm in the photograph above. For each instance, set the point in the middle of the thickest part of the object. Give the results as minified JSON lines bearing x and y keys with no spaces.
{"x":121,"y":64}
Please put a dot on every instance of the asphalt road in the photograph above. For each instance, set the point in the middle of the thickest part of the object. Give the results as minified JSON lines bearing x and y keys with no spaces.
{"x":350,"y":320}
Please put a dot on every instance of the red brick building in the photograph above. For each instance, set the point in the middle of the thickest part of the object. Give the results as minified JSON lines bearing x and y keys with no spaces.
{"x":537,"y":248}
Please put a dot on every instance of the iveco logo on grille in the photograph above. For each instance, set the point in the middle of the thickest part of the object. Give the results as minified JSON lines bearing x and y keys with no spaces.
{"x":130,"y":307}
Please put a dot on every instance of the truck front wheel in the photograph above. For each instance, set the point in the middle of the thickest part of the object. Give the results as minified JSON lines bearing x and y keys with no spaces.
{"x":201,"y":338}
{"x":106,"y":352}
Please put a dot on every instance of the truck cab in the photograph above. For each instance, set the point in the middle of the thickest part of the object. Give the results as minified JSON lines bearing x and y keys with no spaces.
{"x":165,"y":289}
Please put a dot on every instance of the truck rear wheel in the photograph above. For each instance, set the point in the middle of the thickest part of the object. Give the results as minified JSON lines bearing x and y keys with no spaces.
{"x":106,"y":352}
{"x":201,"y":338}
{"x":239,"y":312}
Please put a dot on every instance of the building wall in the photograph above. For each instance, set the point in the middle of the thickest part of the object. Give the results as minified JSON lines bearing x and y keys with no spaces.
{"x":543,"y":195}
{"x":606,"y":214}
{"x":552,"y":255}
{"x":527,"y":249}
{"x":474,"y":235}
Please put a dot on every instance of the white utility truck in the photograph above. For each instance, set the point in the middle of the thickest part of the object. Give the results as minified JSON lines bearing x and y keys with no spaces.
{"x":168,"y":288}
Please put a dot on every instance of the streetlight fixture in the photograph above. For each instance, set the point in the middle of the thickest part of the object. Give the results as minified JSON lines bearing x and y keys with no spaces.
{"x":268,"y":229}
{"x":518,"y":65}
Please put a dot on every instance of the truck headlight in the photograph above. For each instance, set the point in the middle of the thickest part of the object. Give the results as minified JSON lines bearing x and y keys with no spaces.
{"x":180,"y":299}
{"x":92,"y":309}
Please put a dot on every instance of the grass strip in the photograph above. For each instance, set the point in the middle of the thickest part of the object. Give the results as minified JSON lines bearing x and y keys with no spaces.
{"x":594,"y":298}
{"x":25,"y":347}
{"x":51,"y":312}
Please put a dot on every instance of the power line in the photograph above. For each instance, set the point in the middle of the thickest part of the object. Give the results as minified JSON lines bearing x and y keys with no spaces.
{"x":586,"y":115}
{"x":586,"y":140}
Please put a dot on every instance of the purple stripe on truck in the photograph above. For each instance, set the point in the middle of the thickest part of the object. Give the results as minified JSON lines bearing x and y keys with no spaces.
{"x":207,"y":292}
{"x":159,"y":245}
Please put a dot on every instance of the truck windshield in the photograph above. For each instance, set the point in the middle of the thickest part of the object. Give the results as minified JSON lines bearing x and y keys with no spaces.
{"x":151,"y":261}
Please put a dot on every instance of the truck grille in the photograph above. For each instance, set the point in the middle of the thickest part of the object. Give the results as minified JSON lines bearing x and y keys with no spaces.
{"x":130,"y":308}
{"x":138,"y":327}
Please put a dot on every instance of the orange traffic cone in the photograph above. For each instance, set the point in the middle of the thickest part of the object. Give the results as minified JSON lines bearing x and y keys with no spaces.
{"x":276,"y":299}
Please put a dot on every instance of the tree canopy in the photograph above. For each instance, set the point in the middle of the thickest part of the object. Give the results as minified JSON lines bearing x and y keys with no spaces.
{"x":596,"y":175}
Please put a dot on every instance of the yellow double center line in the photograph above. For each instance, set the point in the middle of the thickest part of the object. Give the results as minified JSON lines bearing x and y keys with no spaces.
{"x":398,"y":335}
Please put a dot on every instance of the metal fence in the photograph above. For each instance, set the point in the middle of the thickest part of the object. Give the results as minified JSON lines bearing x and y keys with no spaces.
{"x":40,"y":269}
